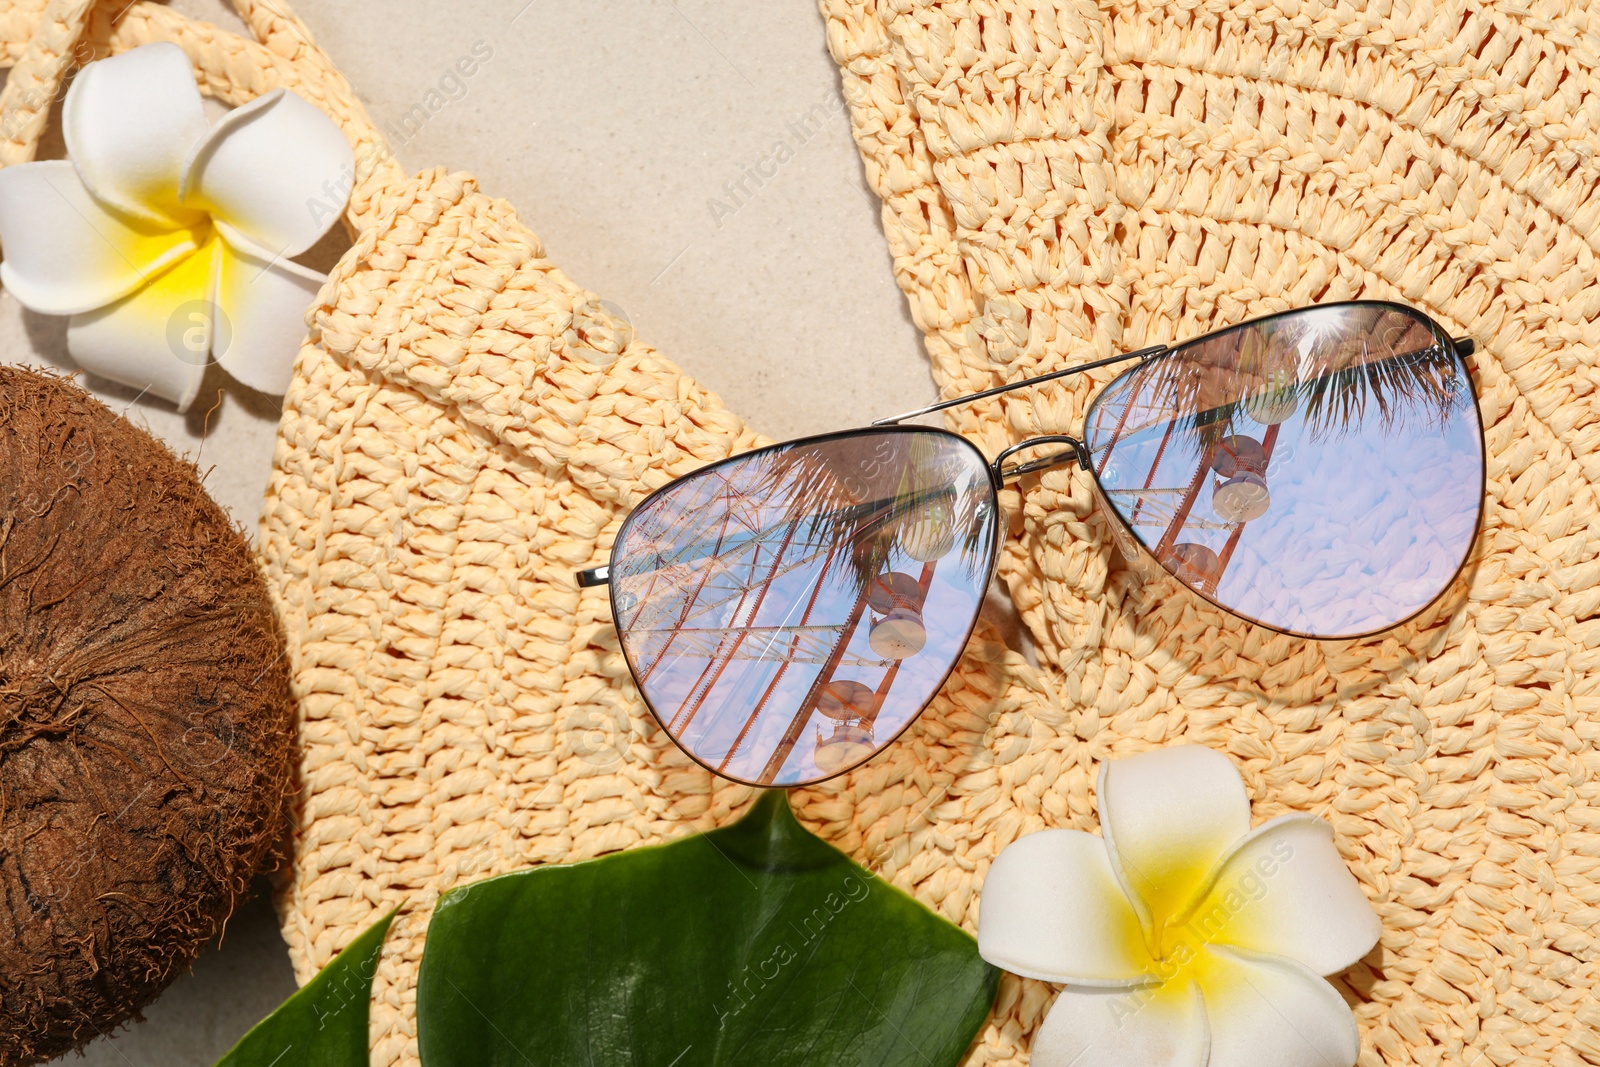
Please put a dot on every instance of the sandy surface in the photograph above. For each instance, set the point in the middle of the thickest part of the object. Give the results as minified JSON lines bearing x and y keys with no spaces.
{"x":688,"y":160}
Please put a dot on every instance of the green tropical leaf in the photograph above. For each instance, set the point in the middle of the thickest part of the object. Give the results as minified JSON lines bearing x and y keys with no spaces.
{"x":325,"y":1023}
{"x":753,"y":944}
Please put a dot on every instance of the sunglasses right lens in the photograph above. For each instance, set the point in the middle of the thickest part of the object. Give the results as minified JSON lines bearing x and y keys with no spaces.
{"x":1319,"y":472}
{"x":789,"y":612}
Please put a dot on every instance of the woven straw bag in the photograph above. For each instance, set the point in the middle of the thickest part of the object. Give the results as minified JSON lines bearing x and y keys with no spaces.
{"x":1060,"y":180}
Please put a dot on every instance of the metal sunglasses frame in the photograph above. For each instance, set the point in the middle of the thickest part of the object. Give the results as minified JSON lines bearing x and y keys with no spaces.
{"x":1072,"y":450}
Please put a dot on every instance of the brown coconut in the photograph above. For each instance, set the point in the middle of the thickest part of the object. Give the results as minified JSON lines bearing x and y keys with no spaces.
{"x":144,"y":717}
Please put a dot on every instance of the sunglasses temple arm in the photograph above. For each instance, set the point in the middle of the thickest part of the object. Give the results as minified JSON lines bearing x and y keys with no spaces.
{"x":1143,"y":353}
{"x":1464,"y":347}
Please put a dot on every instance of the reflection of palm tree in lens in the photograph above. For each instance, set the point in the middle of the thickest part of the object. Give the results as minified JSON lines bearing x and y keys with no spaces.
{"x":932,"y":495}
{"x":1398,"y":367}
{"x":1329,"y":365}
{"x":828,"y":492}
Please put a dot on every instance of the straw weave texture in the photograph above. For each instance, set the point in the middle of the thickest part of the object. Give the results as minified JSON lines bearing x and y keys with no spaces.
{"x":467,"y":434}
{"x":18,"y":21}
{"x":1060,"y":181}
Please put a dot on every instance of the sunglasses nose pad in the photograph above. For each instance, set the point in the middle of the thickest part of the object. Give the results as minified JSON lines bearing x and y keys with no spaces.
{"x":1136,"y":559}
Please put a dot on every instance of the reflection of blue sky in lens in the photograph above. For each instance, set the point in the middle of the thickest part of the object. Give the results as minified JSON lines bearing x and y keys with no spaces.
{"x":1367,"y":517}
{"x":698,"y":628}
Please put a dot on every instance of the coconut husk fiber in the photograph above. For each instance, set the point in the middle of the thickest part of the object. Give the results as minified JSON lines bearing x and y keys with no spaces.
{"x":144,"y":717}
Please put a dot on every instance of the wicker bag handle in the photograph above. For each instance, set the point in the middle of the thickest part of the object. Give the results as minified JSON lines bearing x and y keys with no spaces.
{"x":61,"y":34}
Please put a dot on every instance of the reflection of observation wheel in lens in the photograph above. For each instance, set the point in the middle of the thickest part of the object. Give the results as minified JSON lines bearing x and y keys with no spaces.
{"x":1194,"y":563}
{"x":1242,"y":496}
{"x":894,"y":589}
{"x":848,"y":745}
{"x":1238,"y":452}
{"x":844,"y":700}
{"x":851,"y":706}
{"x":898,"y":635}
{"x":1275,"y":400}
{"x":929,"y":533}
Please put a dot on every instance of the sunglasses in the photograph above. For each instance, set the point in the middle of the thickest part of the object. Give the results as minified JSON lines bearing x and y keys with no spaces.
{"x":786,"y":613}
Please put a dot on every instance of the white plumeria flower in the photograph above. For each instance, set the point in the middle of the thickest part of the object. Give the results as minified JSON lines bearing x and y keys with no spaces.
{"x":166,"y":242}
{"x":1185,"y":938}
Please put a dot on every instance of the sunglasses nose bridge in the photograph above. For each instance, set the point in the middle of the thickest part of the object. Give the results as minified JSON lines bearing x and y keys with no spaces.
{"x":1066,"y":450}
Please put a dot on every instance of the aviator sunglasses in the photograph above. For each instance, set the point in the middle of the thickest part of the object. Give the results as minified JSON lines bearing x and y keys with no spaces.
{"x":788,"y":612}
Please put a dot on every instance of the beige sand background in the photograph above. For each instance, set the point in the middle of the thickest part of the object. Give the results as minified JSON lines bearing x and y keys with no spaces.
{"x":689,"y":160}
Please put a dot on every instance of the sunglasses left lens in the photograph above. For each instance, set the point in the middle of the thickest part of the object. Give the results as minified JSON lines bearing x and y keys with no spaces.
{"x":1319,"y":472}
{"x":787,"y":613}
